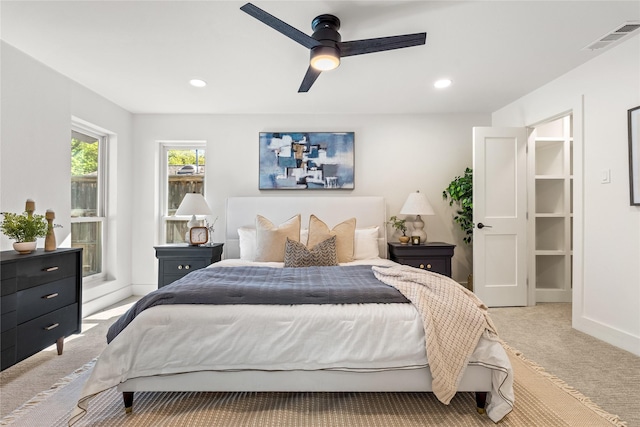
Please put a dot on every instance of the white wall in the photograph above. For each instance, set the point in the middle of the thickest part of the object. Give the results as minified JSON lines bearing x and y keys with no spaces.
{"x":606,"y":288}
{"x":35,"y":159}
{"x":394,"y":156}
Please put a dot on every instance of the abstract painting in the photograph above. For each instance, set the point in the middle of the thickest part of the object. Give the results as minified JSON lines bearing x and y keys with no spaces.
{"x":306,"y":161}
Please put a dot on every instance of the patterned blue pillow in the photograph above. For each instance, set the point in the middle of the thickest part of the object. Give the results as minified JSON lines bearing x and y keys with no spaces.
{"x":323,"y":254}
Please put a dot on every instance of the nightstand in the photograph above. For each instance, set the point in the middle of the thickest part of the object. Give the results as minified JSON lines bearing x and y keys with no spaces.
{"x":432,"y":256}
{"x":176,"y":261}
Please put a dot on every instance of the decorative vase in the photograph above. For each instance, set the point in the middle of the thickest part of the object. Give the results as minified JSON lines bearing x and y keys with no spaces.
{"x":50,"y":240}
{"x":24,"y":247}
{"x":404,"y":239}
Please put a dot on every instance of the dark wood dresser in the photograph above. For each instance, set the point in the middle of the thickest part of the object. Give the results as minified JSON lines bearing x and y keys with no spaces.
{"x":176,"y":261}
{"x":40,"y":301}
{"x":432,"y":256}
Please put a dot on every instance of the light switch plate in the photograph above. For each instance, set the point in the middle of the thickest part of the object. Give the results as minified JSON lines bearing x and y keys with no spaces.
{"x":605,"y":176}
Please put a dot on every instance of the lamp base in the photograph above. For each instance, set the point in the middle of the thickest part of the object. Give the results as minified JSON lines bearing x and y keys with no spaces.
{"x":418,"y":229}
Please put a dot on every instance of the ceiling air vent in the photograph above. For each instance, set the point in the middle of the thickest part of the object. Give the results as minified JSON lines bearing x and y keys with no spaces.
{"x":614,"y":35}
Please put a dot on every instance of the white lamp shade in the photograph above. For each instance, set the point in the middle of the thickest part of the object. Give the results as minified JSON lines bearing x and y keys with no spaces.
{"x":417,"y":204}
{"x":193,"y":204}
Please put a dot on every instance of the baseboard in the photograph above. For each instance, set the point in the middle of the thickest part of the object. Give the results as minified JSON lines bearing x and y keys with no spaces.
{"x":143,"y":289}
{"x":104,"y":301}
{"x":615,"y":337}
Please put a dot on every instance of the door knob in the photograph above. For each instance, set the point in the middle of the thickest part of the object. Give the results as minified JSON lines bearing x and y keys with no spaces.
{"x":481,"y":225}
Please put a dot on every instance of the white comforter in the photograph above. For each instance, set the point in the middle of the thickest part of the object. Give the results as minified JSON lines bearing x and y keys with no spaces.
{"x":354,"y":337}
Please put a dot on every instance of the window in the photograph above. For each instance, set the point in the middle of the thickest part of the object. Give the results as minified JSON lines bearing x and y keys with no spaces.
{"x":88,"y":207}
{"x":183,"y":164}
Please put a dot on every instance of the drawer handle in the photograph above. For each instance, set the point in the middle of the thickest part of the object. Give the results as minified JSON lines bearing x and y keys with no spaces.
{"x":51,"y":268}
{"x":50,"y":327}
{"x":180,"y":267}
{"x":186,"y":267}
{"x":53,"y":295}
{"x":423,"y":266}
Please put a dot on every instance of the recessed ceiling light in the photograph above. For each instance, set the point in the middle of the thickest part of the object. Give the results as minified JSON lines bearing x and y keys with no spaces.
{"x":197,"y":83}
{"x":442,"y":83}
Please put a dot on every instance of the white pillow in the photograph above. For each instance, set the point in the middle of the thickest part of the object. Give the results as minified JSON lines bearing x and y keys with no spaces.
{"x":365,"y":244}
{"x":247,"y":237}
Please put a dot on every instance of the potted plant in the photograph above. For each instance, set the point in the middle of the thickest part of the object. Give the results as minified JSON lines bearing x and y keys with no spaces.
{"x":400,"y":225}
{"x":24,"y":228}
{"x":460,"y":191}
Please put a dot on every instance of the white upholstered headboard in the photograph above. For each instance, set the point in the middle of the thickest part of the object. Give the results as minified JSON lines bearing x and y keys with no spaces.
{"x":242,"y":211}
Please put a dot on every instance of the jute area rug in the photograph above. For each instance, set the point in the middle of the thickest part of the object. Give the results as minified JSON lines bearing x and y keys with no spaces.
{"x":541,"y":400}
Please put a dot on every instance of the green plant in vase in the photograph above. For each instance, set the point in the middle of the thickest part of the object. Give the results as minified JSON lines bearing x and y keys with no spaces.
{"x":400,"y":225}
{"x":24,"y":228}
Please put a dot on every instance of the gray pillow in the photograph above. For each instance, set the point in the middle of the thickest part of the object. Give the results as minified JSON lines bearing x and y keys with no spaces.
{"x":323,"y":254}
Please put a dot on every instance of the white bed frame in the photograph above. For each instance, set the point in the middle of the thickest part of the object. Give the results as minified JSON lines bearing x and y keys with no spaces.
{"x":241,"y":211}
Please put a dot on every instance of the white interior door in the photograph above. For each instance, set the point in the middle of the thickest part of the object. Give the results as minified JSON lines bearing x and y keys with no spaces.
{"x":499,"y":215}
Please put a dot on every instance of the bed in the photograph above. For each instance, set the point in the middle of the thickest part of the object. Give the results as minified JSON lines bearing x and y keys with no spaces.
{"x":266,"y":347}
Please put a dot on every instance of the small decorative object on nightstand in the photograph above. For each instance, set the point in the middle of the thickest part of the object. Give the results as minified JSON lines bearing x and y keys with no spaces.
{"x":415,"y":240}
{"x":432,"y":256}
{"x":417,"y":204}
{"x":193,"y":204}
{"x":176,"y":261}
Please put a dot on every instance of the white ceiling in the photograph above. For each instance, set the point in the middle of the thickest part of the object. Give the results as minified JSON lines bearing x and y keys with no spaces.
{"x":141,"y":54}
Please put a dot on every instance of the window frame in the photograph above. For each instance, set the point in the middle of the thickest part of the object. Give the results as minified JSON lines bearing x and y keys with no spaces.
{"x":101,"y":198}
{"x":164,"y":148}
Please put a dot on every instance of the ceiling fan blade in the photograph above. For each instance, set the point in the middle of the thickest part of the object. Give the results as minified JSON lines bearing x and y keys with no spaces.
{"x":309,"y":79}
{"x":359,"y":47}
{"x":281,"y":26}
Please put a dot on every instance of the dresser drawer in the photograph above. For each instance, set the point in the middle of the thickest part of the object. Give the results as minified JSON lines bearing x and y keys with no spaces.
{"x":43,"y":269}
{"x":43,"y":331}
{"x":8,"y":285}
{"x":9,"y":320}
{"x":8,"y":303}
{"x":8,"y":339}
{"x":39,"y":300}
{"x":7,"y":357}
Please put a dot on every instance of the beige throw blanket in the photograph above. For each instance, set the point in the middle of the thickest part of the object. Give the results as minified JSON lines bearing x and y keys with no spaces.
{"x":453,"y":319}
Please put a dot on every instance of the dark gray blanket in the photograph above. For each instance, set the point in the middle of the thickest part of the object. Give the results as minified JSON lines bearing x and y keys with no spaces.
{"x":266,"y":285}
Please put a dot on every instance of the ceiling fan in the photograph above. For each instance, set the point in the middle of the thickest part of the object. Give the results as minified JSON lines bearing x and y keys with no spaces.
{"x":325,"y":44}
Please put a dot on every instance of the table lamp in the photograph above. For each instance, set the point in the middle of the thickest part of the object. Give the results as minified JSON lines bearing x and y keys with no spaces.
{"x":193,"y":204}
{"x":417,"y":204}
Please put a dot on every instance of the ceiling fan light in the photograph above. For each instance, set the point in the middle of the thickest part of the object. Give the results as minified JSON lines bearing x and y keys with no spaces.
{"x":324,"y":58}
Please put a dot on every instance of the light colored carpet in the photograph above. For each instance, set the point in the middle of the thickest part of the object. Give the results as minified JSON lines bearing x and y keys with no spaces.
{"x":609,"y":375}
{"x":541,"y":401}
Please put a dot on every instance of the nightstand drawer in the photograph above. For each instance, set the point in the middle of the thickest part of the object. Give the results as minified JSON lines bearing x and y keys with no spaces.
{"x":176,"y":261}
{"x":431,"y":256}
{"x":39,"y":300}
{"x":43,"y":331}
{"x":435,"y":265}
{"x":183,"y":266}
